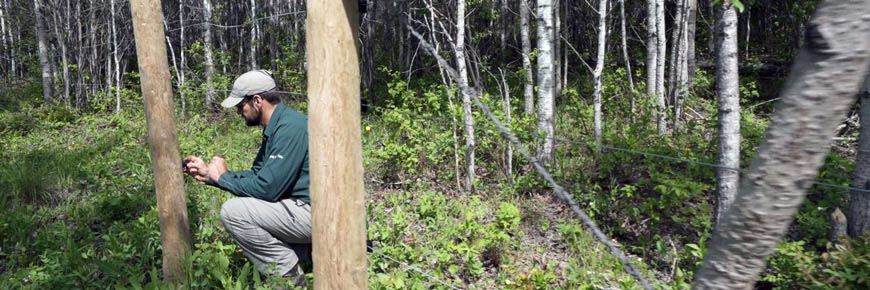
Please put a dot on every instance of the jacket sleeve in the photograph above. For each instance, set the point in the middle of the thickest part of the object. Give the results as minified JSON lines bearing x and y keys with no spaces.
{"x":282,"y":162}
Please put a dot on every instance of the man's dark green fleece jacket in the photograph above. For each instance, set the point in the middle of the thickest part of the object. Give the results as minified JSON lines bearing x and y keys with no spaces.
{"x":280,"y":170}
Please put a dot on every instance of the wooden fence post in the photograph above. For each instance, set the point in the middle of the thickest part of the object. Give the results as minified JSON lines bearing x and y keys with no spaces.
{"x":168,"y":179}
{"x":338,"y":199}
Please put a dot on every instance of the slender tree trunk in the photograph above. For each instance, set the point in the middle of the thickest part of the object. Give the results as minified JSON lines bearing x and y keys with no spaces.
{"x":652,"y":52}
{"x":61,"y":41}
{"x":162,"y":137}
{"x":826,"y":76}
{"x":557,"y":42}
{"x":466,"y":95}
{"x":6,"y":49}
{"x":117,"y":60}
{"x":625,"y":56}
{"x":661,"y":42}
{"x":599,"y":67}
{"x":254,"y":30}
{"x":509,"y":171}
{"x":859,"y":201}
{"x":178,"y":77}
{"x":690,"y":49}
{"x":546,"y":76}
{"x":433,"y":22}
{"x":528,"y":84}
{"x":182,"y":66}
{"x":43,"y":53}
{"x":80,"y":59}
{"x":209,"y":59}
{"x":727,"y":84}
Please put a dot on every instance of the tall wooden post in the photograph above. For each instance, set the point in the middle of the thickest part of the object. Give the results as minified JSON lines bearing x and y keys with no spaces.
{"x":157,"y":91}
{"x":338,"y":203}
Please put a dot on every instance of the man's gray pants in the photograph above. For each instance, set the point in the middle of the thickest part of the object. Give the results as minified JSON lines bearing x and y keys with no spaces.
{"x":275,"y":236}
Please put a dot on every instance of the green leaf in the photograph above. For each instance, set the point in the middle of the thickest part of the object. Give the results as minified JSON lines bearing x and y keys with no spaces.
{"x":738,"y":5}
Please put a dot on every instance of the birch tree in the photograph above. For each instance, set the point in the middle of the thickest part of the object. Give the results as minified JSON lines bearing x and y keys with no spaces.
{"x":826,"y":76}
{"x":859,"y":201}
{"x":728,"y":93}
{"x":661,"y":49}
{"x":116,"y":58}
{"x":254,"y":31}
{"x":652,"y":51}
{"x":599,"y":67}
{"x":42,"y":48}
{"x":528,"y":94}
{"x":209,"y":61}
{"x":459,"y":50}
{"x":546,"y":76}
{"x":625,"y":56}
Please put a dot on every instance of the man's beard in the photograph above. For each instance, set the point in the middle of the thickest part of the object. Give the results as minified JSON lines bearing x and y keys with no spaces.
{"x":253,"y":120}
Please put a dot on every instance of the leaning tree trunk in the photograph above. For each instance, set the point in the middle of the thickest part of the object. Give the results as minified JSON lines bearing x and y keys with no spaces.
{"x":546,"y":76}
{"x":827,"y":74}
{"x":43,"y":53}
{"x":599,"y":67}
{"x":466,"y":95}
{"x":528,"y":84}
{"x":859,"y":201}
{"x":727,"y":84}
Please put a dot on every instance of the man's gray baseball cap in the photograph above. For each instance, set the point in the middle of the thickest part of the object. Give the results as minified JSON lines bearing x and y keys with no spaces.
{"x":248,"y":84}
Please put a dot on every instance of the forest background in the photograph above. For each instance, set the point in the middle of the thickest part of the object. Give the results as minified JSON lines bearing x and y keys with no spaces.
{"x":624,"y":106}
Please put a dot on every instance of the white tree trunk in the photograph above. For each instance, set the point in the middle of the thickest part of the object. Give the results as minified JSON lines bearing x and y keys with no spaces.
{"x":652,"y":51}
{"x":546,"y":76}
{"x":727,"y":90}
{"x":183,"y":63}
{"x":509,"y":170}
{"x":859,"y":201}
{"x":625,"y":56}
{"x":116,"y":59}
{"x":61,"y":41}
{"x":528,"y":84}
{"x":254,"y":30}
{"x":209,"y":61}
{"x":466,"y":95}
{"x":557,"y":42}
{"x":599,"y":67}
{"x":661,"y":49}
{"x":826,"y":76}
{"x":690,"y":49}
{"x":43,"y":53}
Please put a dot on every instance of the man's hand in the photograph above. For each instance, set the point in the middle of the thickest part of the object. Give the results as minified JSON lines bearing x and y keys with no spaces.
{"x":216,"y":168}
{"x":196,"y":168}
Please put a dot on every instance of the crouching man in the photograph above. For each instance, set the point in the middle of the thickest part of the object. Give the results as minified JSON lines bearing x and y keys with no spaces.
{"x":271,"y":217}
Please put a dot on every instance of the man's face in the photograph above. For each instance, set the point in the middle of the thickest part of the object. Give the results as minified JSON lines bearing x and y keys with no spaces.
{"x":249,"y":110}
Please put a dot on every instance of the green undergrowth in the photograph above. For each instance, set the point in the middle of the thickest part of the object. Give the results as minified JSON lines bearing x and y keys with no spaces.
{"x":80,"y":208}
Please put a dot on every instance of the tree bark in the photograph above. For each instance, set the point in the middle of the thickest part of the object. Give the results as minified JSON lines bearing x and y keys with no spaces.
{"x":625,"y":56}
{"x":690,"y":49}
{"x":61,"y":41}
{"x":116,"y":58}
{"x":466,"y":96}
{"x":528,"y":84}
{"x":661,"y":49}
{"x":209,"y":60}
{"x":859,"y":201}
{"x":337,"y":189}
{"x":728,"y":93}
{"x":254,"y":31}
{"x":599,"y":67}
{"x":827,"y":74}
{"x":652,"y":52}
{"x":546,"y":75}
{"x":162,"y":137}
{"x":42,"y":47}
